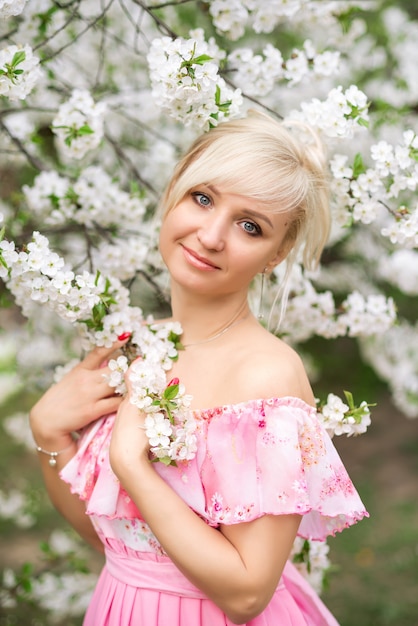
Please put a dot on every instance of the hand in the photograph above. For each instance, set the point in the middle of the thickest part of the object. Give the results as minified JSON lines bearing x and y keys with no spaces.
{"x":129,"y":444}
{"x":79,"y":398}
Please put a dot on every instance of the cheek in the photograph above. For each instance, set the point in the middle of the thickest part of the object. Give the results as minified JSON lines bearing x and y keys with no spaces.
{"x":169,"y":231}
{"x":163,"y":236}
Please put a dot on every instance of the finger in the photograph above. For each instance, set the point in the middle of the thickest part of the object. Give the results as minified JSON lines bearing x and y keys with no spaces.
{"x":127,"y":376}
{"x":100,"y":354}
{"x":108,"y":405}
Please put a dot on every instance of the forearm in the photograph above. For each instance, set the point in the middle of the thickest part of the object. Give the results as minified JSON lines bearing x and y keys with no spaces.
{"x":82,"y":396}
{"x":67,"y":504}
{"x":231,"y":577}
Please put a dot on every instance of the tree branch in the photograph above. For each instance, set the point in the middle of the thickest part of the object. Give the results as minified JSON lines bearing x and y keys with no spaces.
{"x":34,"y":161}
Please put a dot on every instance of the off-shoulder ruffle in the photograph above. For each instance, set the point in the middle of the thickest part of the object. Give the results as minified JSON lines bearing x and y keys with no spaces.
{"x":254,"y":458}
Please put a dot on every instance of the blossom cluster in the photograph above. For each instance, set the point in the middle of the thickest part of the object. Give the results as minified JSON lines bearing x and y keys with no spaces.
{"x":94,"y":198}
{"x":78,"y":125}
{"x":123,"y":258}
{"x":256,"y":74}
{"x":344,"y":418}
{"x":38,"y":274}
{"x":100,"y":307}
{"x":404,"y":230}
{"x":311,"y":559}
{"x":19,"y":71}
{"x":366,"y":191}
{"x":310,"y":312}
{"x":186,"y":82}
{"x":231,"y":17}
{"x":342,"y":114}
{"x":169,"y":425}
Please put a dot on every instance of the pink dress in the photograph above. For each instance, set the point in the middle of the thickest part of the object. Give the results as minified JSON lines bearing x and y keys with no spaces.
{"x":253,"y":458}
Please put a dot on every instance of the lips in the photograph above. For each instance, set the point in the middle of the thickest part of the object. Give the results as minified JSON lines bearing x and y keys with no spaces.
{"x":198,"y":261}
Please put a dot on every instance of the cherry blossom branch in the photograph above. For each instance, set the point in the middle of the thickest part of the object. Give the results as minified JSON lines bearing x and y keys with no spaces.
{"x":124,"y":157}
{"x":33,"y":160}
{"x":89,"y":26}
{"x":162,"y":26}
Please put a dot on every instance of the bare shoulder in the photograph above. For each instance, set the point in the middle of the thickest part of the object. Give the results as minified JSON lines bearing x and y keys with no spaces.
{"x":272,"y":368}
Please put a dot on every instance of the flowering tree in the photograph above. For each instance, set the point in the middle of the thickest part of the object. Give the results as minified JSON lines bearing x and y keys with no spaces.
{"x":97,"y":102}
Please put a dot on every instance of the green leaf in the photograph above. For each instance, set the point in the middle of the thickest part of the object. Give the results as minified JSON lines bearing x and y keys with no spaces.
{"x":358,"y":166}
{"x":84,"y":130}
{"x":18,"y":57}
{"x":350,"y":399}
{"x":201,"y":59}
{"x":164,"y":459}
{"x":414,"y":154}
{"x":99,"y":311}
{"x":170,"y":392}
{"x":362,"y":122}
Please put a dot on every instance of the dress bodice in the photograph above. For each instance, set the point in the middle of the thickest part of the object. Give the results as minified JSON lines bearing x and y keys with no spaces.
{"x":265,"y":456}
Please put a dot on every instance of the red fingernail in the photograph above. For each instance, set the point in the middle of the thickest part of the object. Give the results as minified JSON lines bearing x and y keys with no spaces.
{"x":124,"y":336}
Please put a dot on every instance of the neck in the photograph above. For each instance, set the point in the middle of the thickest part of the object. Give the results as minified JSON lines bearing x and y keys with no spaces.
{"x":203,"y":319}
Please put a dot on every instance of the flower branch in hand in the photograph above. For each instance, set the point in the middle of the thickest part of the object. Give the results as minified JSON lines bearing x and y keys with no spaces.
{"x":169,"y":424}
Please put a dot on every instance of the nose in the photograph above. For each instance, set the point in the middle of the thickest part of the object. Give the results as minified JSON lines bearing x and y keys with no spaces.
{"x":212,"y":232}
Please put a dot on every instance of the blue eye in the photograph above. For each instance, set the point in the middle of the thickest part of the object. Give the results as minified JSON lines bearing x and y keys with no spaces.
{"x":202,"y":198}
{"x":251,"y":228}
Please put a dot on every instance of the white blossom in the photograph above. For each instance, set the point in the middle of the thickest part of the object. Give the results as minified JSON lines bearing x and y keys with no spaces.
{"x":9,"y":8}
{"x":79,"y":125}
{"x":404,"y":231}
{"x":186,"y":82}
{"x":341,"y":115}
{"x":94,"y":198}
{"x":314,"y":565}
{"x":339,"y":420}
{"x":13,"y":60}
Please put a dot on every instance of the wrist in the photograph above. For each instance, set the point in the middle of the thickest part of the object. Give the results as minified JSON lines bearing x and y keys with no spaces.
{"x":128,"y":469}
{"x":47,"y":437}
{"x":54,"y":454}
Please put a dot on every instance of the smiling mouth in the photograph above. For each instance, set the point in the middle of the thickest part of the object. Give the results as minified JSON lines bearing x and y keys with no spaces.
{"x":198,"y":261}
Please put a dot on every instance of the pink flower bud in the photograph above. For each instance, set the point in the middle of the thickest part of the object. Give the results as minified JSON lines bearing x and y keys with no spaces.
{"x":173,"y":381}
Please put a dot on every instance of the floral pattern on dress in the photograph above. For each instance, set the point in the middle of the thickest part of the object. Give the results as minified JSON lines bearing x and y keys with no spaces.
{"x":311,"y":444}
{"x":253,"y":458}
{"x":338,"y":482}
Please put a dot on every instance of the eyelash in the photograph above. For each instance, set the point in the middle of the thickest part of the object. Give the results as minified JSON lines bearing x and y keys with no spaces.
{"x":257,"y":230}
{"x":255,"y":233}
{"x":198,"y":194}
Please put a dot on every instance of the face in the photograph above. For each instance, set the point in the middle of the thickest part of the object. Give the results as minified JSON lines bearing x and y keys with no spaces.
{"x":215,"y":241}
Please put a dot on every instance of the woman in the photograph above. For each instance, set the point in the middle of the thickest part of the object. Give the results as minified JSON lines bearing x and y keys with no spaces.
{"x":206,"y":541}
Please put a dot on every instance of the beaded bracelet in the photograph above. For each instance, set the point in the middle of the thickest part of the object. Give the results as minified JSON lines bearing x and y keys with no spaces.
{"x":53,"y":455}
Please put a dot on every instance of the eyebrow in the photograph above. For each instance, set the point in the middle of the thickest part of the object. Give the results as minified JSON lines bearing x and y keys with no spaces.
{"x":249,"y":212}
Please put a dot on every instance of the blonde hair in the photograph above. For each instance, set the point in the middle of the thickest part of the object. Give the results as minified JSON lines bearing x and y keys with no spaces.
{"x":280,"y":165}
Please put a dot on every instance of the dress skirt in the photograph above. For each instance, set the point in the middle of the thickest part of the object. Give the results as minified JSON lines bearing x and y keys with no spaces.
{"x":146,"y":589}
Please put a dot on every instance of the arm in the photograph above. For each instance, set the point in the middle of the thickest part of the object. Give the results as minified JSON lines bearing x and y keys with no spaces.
{"x":238,"y":567}
{"x":81,"y":397}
